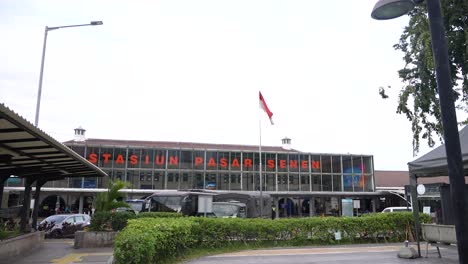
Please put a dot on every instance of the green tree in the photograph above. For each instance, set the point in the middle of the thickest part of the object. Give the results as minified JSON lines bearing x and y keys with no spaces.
{"x":418,"y":99}
{"x":113,"y":198}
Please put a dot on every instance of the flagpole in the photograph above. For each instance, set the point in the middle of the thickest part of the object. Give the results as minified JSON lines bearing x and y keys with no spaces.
{"x":260,"y":163}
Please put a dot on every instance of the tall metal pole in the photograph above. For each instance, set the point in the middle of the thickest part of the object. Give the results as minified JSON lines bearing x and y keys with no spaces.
{"x":38,"y":104}
{"x":47,"y":29}
{"x":260,"y":166}
{"x":449,"y":122}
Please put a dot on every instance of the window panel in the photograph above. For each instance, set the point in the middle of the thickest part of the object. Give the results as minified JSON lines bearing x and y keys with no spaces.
{"x":211,"y":160}
{"x":119,"y":157}
{"x":186,"y":159}
{"x":160,"y":159}
{"x":270,"y":163}
{"x":223,"y":161}
{"x":293,"y":162}
{"x":173,"y":159}
{"x":336,"y":164}
{"x":247,"y":161}
{"x":326,"y":182}
{"x":147,"y":158}
{"x":282,"y":163}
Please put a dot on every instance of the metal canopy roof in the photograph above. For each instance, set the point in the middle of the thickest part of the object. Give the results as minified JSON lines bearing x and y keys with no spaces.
{"x":27,"y":151}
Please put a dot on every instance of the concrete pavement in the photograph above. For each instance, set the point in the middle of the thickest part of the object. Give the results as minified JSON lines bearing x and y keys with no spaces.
{"x":349,"y":254}
{"x":61,"y":251}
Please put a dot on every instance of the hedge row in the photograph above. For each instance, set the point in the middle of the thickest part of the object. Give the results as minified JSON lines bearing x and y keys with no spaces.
{"x":109,"y":221}
{"x":153,"y":240}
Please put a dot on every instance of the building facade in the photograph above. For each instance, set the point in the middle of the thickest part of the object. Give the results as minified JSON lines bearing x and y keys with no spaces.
{"x":292,"y":176}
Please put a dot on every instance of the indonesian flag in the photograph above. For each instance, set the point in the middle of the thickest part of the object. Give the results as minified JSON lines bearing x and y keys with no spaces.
{"x":264,"y":106}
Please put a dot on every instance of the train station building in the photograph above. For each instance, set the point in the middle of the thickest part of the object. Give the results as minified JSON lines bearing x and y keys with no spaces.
{"x":300,"y":183}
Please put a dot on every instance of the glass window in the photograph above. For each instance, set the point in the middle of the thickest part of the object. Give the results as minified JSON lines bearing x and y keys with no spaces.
{"x":305,"y":182}
{"x":235,"y":161}
{"x":347,"y":182}
{"x":199,"y":182}
{"x":160,"y":159}
{"x":282,"y":182}
{"x":147,"y":158}
{"x":186,"y":158}
{"x":247,"y":182}
{"x":337,"y":183}
{"x":133,"y":159}
{"x":186,"y":180}
{"x":270,"y":181}
{"x":223,"y":181}
{"x":357,"y":165}
{"x":172,"y":180}
{"x":304,"y":165}
{"x":105,"y":157}
{"x":368,"y":186}
{"x":92,"y":155}
{"x":223,"y":161}
{"x":199,"y":160}
{"x":235,"y":182}
{"x":326,"y":182}
{"x":282,"y":163}
{"x":315,"y":163}
{"x":247,"y":161}
{"x":119,"y":157}
{"x":270,"y":162}
{"x":326,"y":164}
{"x":293,"y":182}
{"x":133,"y":178}
{"x":316,"y":182}
{"x":211,"y":160}
{"x":347,"y":166}
{"x":173,"y":159}
{"x":159,"y":178}
{"x":293,"y":162}
{"x":336,"y":164}
{"x":211,"y":181}
{"x":367,"y":164}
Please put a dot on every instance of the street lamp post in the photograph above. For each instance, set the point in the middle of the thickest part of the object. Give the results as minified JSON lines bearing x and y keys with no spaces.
{"x":388,"y":9}
{"x":47,"y":29}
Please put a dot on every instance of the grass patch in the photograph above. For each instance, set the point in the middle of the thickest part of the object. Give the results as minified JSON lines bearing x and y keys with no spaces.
{"x":9,"y":234}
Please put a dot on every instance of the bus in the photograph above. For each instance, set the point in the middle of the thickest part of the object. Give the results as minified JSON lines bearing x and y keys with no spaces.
{"x":210,"y":203}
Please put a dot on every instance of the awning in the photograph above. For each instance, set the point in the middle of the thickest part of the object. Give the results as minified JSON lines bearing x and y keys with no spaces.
{"x":26,"y":151}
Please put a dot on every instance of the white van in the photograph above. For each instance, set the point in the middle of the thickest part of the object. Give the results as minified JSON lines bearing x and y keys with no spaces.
{"x":396,"y":209}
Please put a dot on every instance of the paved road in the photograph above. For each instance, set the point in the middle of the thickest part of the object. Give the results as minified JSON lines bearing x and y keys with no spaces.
{"x":355,"y":254}
{"x":61,"y":251}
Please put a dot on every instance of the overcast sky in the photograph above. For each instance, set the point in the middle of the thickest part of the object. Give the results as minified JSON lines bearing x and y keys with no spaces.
{"x":190,"y":71}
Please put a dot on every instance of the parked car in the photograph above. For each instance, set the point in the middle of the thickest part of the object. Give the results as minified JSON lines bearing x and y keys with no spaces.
{"x":64,"y":225}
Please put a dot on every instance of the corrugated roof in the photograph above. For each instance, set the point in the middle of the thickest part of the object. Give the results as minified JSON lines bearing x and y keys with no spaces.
{"x":26,"y":151}
{"x":401,"y":178}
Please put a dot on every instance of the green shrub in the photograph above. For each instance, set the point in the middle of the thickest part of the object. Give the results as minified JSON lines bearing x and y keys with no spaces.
{"x":155,"y":239}
{"x":119,"y":220}
{"x":158,"y":215}
{"x":110,"y":221}
{"x":101,"y":221}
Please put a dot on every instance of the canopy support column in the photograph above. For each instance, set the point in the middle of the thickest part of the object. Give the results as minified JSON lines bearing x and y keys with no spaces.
{"x":415,"y":206}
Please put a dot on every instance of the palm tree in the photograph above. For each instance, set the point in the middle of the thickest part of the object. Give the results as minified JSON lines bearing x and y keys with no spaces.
{"x":106,"y":201}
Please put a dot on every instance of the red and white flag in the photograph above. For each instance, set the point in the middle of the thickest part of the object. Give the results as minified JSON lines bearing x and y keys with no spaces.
{"x":264,"y":106}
